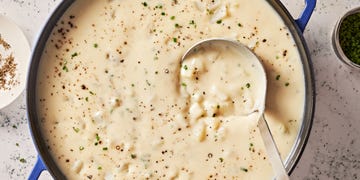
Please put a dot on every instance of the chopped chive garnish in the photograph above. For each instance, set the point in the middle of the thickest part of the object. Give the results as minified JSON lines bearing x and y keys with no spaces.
{"x":244,"y":169}
{"x":65,"y":68}
{"x":97,"y":137}
{"x":22,"y":160}
{"x":277,"y":77}
{"x":76,"y":129}
{"x":74,"y":55}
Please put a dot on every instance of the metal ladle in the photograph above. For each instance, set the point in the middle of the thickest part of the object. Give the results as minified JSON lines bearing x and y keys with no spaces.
{"x":270,"y":146}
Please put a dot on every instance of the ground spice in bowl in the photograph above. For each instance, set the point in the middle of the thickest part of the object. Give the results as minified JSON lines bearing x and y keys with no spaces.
{"x":349,"y":37}
{"x":14,"y":61}
{"x":7,"y":68}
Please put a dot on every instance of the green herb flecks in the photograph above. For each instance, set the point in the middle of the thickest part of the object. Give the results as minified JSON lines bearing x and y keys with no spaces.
{"x":219,"y":21}
{"x":65,"y":68}
{"x":349,"y":37}
{"x":210,"y":12}
{"x":97,"y":137}
{"x":277,"y":77}
{"x":76,"y":129}
{"x":247,"y":85}
{"x":244,"y":169}
{"x":192,"y":22}
{"x":81,"y":148}
{"x":74,"y":55}
{"x":22,"y":160}
{"x":133,"y":156}
{"x":144,"y":4}
{"x":251,"y":147}
{"x":96,"y":45}
{"x":160,"y":6}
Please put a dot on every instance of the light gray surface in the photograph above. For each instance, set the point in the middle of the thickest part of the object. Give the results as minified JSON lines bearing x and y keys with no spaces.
{"x":333,"y":150}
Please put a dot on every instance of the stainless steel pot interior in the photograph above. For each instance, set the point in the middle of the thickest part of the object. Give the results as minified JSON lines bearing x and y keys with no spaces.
{"x":34,"y":120}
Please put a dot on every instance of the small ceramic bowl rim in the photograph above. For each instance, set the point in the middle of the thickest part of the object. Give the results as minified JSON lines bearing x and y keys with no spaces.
{"x":336,"y":43}
{"x":21,"y":51}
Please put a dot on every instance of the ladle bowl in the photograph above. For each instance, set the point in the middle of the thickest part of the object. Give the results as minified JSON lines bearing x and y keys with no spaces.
{"x":259,"y":106}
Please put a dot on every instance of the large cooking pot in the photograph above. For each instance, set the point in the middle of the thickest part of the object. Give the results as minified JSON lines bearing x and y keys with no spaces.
{"x":296,"y":27}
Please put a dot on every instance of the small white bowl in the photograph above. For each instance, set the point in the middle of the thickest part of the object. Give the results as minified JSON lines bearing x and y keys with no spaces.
{"x":20,"y":49}
{"x":336,"y":42}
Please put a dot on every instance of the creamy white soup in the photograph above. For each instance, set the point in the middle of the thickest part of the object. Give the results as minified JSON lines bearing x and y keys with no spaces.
{"x":116,"y":102}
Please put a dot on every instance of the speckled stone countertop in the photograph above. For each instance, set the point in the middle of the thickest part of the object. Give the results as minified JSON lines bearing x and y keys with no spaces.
{"x":333,"y":149}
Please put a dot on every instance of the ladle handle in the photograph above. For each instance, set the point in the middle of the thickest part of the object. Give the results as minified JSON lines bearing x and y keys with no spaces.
{"x":272,"y":151}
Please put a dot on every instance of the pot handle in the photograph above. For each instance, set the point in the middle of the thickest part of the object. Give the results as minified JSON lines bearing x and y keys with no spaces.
{"x":306,"y":14}
{"x":37,"y":170}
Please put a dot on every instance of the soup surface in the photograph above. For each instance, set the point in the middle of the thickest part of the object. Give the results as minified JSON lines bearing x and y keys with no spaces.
{"x":116,"y":102}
